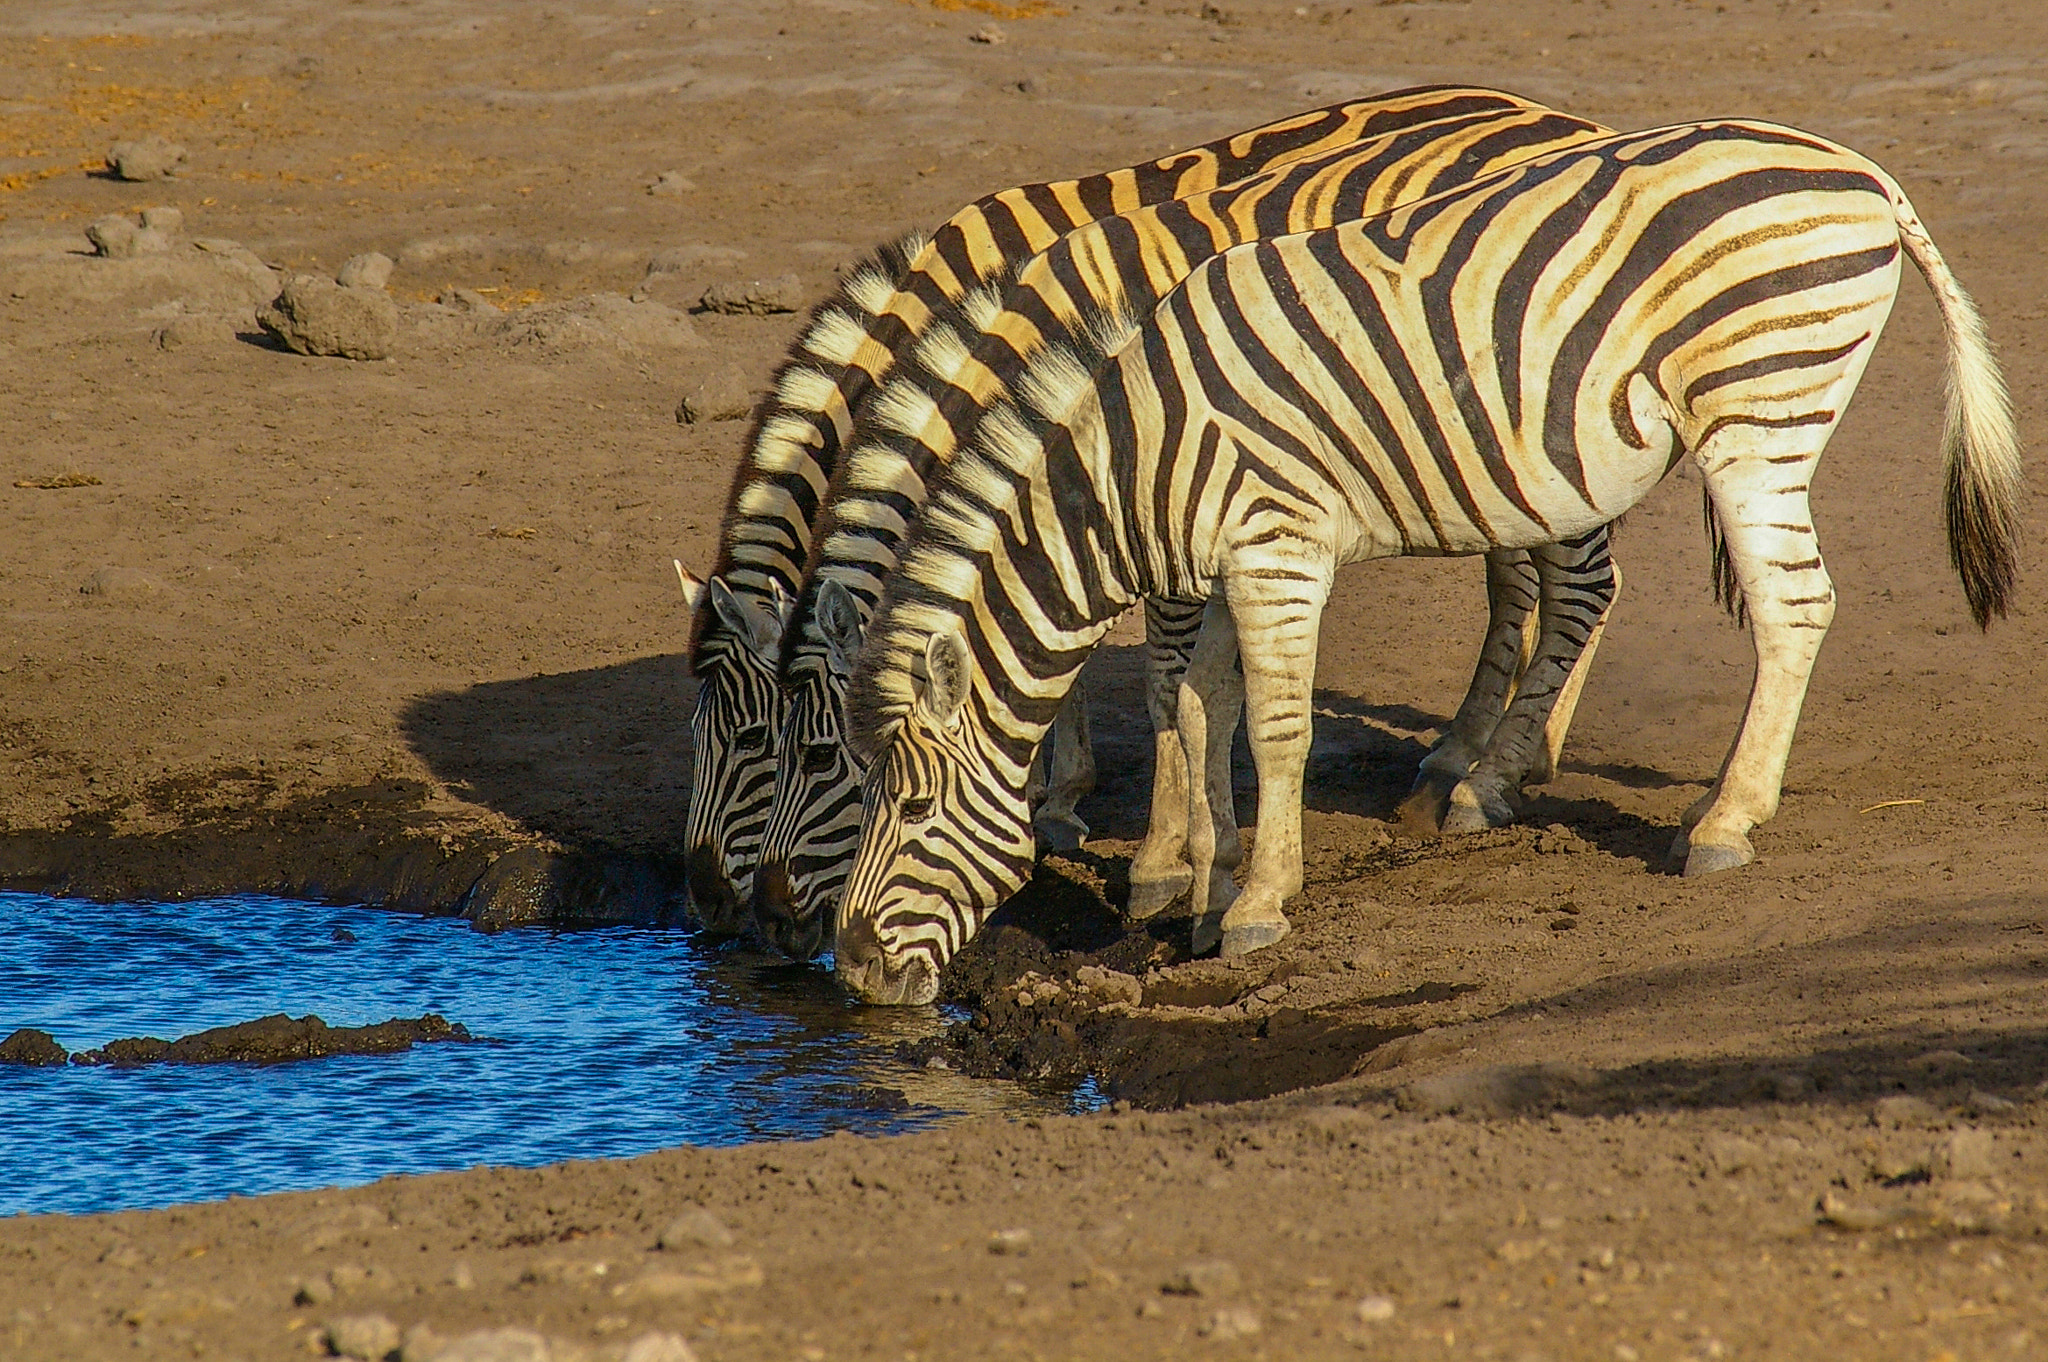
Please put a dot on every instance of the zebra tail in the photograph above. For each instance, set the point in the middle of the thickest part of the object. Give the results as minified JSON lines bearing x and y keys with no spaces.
{"x":1983,"y":478}
{"x":1727,"y":586}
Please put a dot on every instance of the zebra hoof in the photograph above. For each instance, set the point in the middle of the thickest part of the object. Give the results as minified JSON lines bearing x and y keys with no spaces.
{"x":1706,"y":859}
{"x":1207,"y":934}
{"x":1059,"y":832}
{"x":1150,"y":897}
{"x":1244,"y":938}
{"x":1422,"y":813}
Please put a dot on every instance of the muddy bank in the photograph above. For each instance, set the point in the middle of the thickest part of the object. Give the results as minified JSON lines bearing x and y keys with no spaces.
{"x":277,"y":1039}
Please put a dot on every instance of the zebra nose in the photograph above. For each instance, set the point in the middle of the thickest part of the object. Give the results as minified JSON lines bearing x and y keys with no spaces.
{"x":712,"y":896}
{"x":775,"y":915}
{"x":869,"y":974}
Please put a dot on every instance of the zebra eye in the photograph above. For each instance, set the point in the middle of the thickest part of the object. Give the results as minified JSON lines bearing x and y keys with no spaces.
{"x":915,"y":809}
{"x":752,"y":738}
{"x":819,"y":758}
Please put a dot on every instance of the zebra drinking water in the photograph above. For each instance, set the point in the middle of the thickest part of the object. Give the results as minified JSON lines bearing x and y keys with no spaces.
{"x":1510,"y":364}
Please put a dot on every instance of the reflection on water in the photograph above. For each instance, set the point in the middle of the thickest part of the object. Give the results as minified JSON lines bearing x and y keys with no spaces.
{"x":613,"y":1041}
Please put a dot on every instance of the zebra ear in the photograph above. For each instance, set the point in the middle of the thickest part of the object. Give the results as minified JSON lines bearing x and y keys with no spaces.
{"x":693,"y":586}
{"x":839,"y":622}
{"x":758,"y":626}
{"x":947,"y":665}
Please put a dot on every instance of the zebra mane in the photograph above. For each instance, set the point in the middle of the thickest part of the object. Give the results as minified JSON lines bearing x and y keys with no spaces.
{"x":940,"y":573}
{"x":885,"y":422}
{"x":799,"y":391}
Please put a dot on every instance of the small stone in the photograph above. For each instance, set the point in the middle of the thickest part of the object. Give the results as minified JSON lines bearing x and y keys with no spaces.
{"x":1966,"y":1153}
{"x":465,"y":300}
{"x":1375,"y":1310}
{"x":730,"y":1274}
{"x":1232,"y":1321}
{"x":1150,"y":1309}
{"x":164,"y":218}
{"x":371,"y":1338}
{"x":1207,"y":1277}
{"x":989,"y":36}
{"x":461,"y":1277}
{"x":1901,"y":1111}
{"x":694,"y":1228}
{"x":312,"y":1290}
{"x":1847,"y":1215}
{"x":194,"y":329}
{"x":1110,"y":986}
{"x":1988,"y":1104}
{"x":756,"y":298}
{"x":670,"y":183}
{"x":371,"y":269}
{"x":1731,"y":1154}
{"x":316,"y":316}
{"x":658,"y":1348}
{"x":726,"y":393}
{"x":495,"y":1345}
{"x":146,"y":158}
{"x":32,"y":1048}
{"x":1011,"y":1242}
{"x":118,"y":237}
{"x":348,"y":1276}
{"x":421,"y":1342}
{"x":121,"y":583}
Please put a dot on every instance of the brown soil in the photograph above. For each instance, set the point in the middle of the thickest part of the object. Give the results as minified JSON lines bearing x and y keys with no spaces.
{"x":405,"y":631}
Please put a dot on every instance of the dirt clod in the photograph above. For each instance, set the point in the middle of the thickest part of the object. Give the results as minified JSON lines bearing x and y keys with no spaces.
{"x":370,"y":1338}
{"x":371,"y":269}
{"x":146,"y":158}
{"x":316,"y":316}
{"x":756,"y":297}
{"x":693,"y":1229}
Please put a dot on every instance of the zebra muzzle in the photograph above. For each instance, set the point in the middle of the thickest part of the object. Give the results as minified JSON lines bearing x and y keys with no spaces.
{"x":775,"y":915}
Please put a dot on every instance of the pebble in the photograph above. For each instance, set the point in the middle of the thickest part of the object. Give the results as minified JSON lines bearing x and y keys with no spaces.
{"x":120,"y":237}
{"x":371,"y":269}
{"x":191,"y":328}
{"x":731,"y":1274}
{"x":312,"y":1290}
{"x":658,"y":1348}
{"x":494,"y":1345}
{"x":694,"y":1228}
{"x":465,"y":300}
{"x":1232,"y":1321}
{"x":371,"y":1338}
{"x":1010,"y":1242}
{"x":146,"y":158}
{"x":1375,"y":1310}
{"x":1903,"y":1110}
{"x":1967,"y":1153}
{"x":1988,"y":1104}
{"x":1111,"y":986}
{"x":677,"y":259}
{"x":121,"y":583}
{"x":316,"y":316}
{"x":1206,"y":1277}
{"x":726,"y":393}
{"x":756,"y":298}
{"x":33,"y":1048}
{"x":670,"y":183}
{"x":1731,"y":1154}
{"x":461,"y":1276}
{"x":988,"y":35}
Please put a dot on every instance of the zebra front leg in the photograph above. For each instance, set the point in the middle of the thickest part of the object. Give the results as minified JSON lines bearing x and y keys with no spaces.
{"x":1512,"y":593}
{"x":1070,"y":775}
{"x":1766,"y":524}
{"x":1160,"y":873}
{"x":1278,"y":613}
{"x":1577,"y":590}
{"x":1210,"y":700}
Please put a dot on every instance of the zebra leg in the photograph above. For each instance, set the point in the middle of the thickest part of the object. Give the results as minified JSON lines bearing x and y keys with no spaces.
{"x":1071,"y":775}
{"x":1757,"y":480}
{"x":1545,"y":767}
{"x":1159,"y":871}
{"x":1577,"y":590}
{"x":1512,"y":592}
{"x":1278,"y":613}
{"x":1211,"y":699}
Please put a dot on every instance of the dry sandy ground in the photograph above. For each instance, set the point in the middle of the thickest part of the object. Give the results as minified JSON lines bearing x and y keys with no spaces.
{"x":364,"y":627}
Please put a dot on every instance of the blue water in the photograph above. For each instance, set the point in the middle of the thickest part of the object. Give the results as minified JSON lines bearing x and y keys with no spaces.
{"x":613,"y":1042}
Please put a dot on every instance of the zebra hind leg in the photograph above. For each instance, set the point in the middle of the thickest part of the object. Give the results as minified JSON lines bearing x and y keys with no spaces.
{"x":1577,"y":592}
{"x":1210,"y":701}
{"x":1160,"y":873}
{"x":1512,"y":592}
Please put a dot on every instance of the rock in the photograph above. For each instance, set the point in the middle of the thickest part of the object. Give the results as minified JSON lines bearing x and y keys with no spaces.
{"x":1902,"y":1110}
{"x":1966,"y":1153}
{"x":1232,"y":1321}
{"x":164,"y":218}
{"x":430,"y":250}
{"x":32,"y":1048}
{"x":371,"y":269}
{"x":677,"y":259}
{"x":494,"y":1345}
{"x":369,"y":1337}
{"x":1110,"y":986}
{"x":1493,"y":1089}
{"x":193,"y":329}
{"x":600,"y":318}
{"x":146,"y":158}
{"x":694,"y":1228}
{"x":1988,"y":1104}
{"x":1207,"y":1277}
{"x":1731,"y":1154}
{"x":1010,"y":1242}
{"x":466,"y":300}
{"x":119,"y":237}
{"x":316,"y":316}
{"x":277,"y":1039}
{"x":670,"y":183}
{"x":705,"y":1279}
{"x":726,"y":393}
{"x":1375,"y":1310}
{"x":1847,"y":1215}
{"x":312,"y":1290}
{"x":989,"y":36}
{"x":461,"y":1276}
{"x":658,"y":1348}
{"x":756,"y":298}
{"x":121,"y":583}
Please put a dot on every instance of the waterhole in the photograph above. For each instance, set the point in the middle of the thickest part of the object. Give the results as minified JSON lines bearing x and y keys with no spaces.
{"x":604,"y":1042}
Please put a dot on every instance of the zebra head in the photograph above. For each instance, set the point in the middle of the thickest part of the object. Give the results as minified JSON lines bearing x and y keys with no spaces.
{"x":732,"y":732}
{"x":814,"y":828}
{"x":945,"y":838}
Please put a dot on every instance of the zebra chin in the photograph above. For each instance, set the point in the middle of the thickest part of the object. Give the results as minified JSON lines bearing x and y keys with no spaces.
{"x":713,"y":898}
{"x":775,"y":915}
{"x":869,"y":973}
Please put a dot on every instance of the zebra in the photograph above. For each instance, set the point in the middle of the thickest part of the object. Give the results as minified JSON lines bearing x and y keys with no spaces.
{"x":1512,"y":363}
{"x":846,"y":347}
{"x":957,"y":370}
